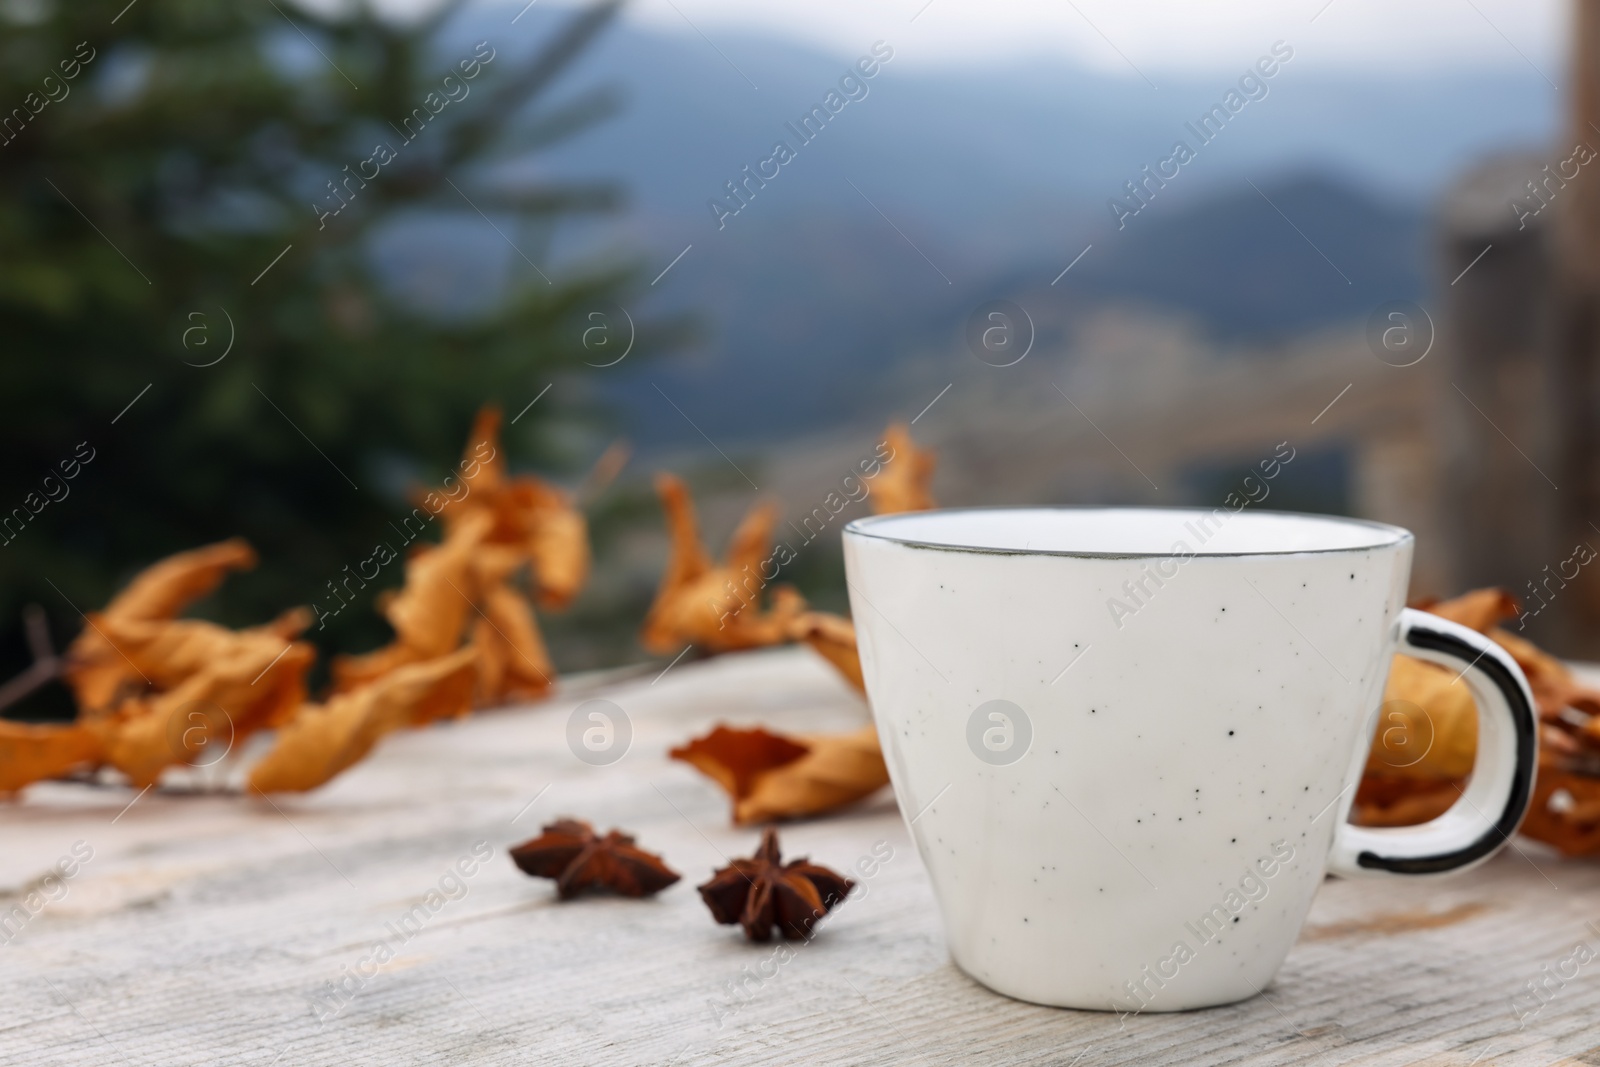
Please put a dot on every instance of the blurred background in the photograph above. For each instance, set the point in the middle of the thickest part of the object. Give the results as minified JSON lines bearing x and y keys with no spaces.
{"x":261,"y":262}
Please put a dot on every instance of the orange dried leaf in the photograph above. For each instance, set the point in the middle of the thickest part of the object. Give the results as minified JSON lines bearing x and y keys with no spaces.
{"x":353,"y":672}
{"x":1428,"y":725}
{"x":537,"y":519}
{"x":497,"y":644}
{"x":688,"y":557}
{"x":430,"y":612}
{"x":717,"y":607}
{"x":256,"y":686}
{"x":34,"y":753}
{"x":164,"y":654}
{"x":470,"y":586}
{"x":734,"y":758}
{"x":1565,"y":812}
{"x":483,"y":456}
{"x":1480,"y":609}
{"x":1393,"y":801}
{"x":751,"y":540}
{"x":839,"y":769}
{"x":1554,"y":686}
{"x":482,"y":472}
{"x":325,"y":739}
{"x":494,"y":653}
{"x":94,"y":669}
{"x":513,"y":662}
{"x":494,"y":565}
{"x":165,"y":588}
{"x":1426,"y":737}
{"x":834,"y":639}
{"x":558,"y":545}
{"x":903,"y":483}
{"x":291,"y":623}
{"x":770,"y":776}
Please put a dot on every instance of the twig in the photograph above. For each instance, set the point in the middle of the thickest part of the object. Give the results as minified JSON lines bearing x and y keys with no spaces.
{"x":46,"y":666}
{"x":604,"y":471}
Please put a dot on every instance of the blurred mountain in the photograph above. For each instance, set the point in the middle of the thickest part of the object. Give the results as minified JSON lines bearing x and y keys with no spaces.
{"x":1264,"y":263}
{"x":935,"y":192}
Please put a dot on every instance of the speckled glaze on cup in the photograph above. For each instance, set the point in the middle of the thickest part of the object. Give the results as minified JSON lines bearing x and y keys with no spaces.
{"x":1126,"y":740}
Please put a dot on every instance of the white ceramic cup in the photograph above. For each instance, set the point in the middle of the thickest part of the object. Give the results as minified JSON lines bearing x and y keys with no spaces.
{"x":1126,"y":740}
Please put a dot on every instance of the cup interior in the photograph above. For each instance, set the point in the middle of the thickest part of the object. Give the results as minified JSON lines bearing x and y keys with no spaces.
{"x":1125,"y":532}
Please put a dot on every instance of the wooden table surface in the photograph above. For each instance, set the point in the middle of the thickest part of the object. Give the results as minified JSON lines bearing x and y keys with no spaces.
{"x":207,"y":927}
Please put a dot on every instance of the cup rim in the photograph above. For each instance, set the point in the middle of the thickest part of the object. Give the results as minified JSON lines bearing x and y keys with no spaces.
{"x":862,"y":527}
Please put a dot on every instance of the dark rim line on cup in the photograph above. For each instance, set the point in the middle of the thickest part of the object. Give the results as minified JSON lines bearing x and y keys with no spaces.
{"x":862,"y":528}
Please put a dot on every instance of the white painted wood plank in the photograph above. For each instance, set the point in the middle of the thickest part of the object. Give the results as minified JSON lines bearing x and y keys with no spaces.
{"x":204,"y":926}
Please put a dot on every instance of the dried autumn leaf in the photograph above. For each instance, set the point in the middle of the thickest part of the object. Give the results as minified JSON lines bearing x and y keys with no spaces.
{"x":735,"y":758}
{"x":1393,"y":801}
{"x":513,"y":662}
{"x":834,"y":639}
{"x":483,"y":461}
{"x":762,"y":893}
{"x":903,"y":483}
{"x":325,"y":739}
{"x":430,"y":613}
{"x":771,"y":776}
{"x":717,"y":607}
{"x":352,"y":672}
{"x":290,"y":624}
{"x":1427,"y":731}
{"x":1428,"y":725}
{"x":168,"y":586}
{"x":255,"y":686}
{"x":1429,"y":707}
{"x":154,"y":690}
{"x":556,"y":538}
{"x":569,"y":851}
{"x":535,"y":517}
{"x":494,"y":565}
{"x":479,"y":482}
{"x":1565,"y":812}
{"x":499,"y":530}
{"x":95,"y":670}
{"x":34,"y":753}
{"x":1554,"y":686}
{"x":1479,"y":609}
{"x":164,"y":654}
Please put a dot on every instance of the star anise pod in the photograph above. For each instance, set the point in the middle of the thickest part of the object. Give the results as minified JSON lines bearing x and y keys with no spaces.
{"x":569,"y":851}
{"x":762,"y":892}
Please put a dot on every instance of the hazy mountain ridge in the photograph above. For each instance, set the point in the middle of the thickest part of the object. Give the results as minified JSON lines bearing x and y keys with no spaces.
{"x":931,"y":194}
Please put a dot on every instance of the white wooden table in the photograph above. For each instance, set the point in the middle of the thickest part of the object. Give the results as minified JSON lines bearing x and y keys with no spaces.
{"x":205,"y":926}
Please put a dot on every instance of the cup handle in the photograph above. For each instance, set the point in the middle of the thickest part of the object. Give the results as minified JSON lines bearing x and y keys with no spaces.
{"x":1488,"y":812}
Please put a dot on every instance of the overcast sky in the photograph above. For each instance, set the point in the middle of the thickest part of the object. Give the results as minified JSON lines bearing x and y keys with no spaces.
{"x":1154,"y":35}
{"x":1139,"y":36}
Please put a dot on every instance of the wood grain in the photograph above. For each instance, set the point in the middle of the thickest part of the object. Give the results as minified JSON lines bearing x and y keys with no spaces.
{"x":204,"y":927}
